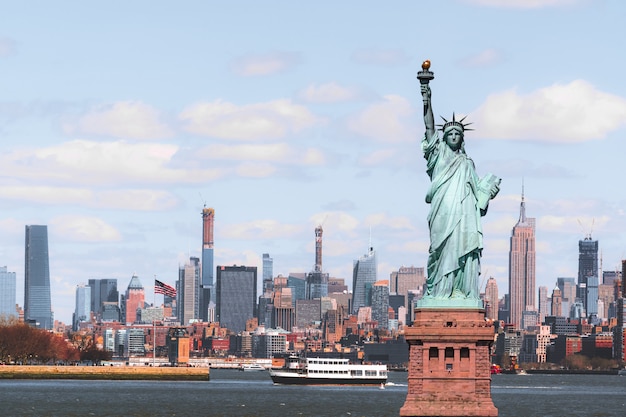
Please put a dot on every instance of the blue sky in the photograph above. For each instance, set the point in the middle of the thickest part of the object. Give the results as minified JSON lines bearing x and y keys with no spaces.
{"x":120,"y":120}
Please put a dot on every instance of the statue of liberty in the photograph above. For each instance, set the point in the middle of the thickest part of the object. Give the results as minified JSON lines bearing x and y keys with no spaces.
{"x":458,"y":198}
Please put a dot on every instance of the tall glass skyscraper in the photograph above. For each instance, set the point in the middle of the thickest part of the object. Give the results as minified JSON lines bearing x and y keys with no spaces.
{"x":236,"y":289}
{"x":587,"y":290}
{"x":7,"y":293}
{"x":83,"y":305}
{"x":37,"y":304}
{"x":363,"y":278}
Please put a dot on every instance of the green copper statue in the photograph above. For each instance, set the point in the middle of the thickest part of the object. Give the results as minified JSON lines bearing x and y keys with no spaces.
{"x":458,"y":198}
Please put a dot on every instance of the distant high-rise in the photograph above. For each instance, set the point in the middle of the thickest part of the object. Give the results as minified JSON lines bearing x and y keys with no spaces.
{"x":405,"y":279}
{"x":491,"y":299}
{"x":588,"y":274}
{"x":380,"y":303}
{"x":567,"y":286}
{"x":316,"y":280}
{"x":543,"y":303}
{"x":82,"y":309}
{"x":522,"y":267}
{"x":557,"y":302}
{"x":134,"y":299}
{"x":7,"y":293}
{"x":268,"y":273}
{"x":102,"y":291}
{"x":206,"y":289}
{"x":236,"y":293}
{"x":189,"y":291}
{"x":318,"y":248}
{"x":363,"y":278}
{"x":37,"y":303}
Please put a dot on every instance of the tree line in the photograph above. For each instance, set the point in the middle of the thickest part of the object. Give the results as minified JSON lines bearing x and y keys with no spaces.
{"x":26,"y":345}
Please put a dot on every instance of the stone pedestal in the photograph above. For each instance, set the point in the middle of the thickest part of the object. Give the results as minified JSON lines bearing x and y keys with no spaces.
{"x":449,"y":364}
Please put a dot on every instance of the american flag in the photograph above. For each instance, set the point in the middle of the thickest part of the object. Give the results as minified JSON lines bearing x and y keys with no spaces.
{"x":162,"y":288}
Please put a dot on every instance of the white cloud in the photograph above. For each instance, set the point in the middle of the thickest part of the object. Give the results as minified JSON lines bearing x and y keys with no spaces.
{"x":379,"y":56}
{"x":265,"y":64}
{"x":381,"y":219}
{"x":84,"y":229}
{"x":271,"y":120}
{"x":328,"y":93}
{"x":86,"y":162}
{"x":124,"y":120}
{"x":275,"y":152}
{"x":392,"y":120}
{"x":124,"y":199}
{"x":260,"y":229}
{"x":573,"y":112}
{"x":482,"y":59}
{"x":377,"y":157}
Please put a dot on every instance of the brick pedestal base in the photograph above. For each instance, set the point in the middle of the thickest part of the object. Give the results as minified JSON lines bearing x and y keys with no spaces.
{"x":449,"y":364}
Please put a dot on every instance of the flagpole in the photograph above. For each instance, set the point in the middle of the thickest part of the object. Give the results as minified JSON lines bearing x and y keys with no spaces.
{"x":154,"y":325}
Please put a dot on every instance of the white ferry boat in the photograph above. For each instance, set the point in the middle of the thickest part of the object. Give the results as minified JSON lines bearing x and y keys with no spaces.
{"x":331,"y":371}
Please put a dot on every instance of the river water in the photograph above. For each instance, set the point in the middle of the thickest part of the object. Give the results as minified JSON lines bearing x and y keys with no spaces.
{"x":235,"y":393}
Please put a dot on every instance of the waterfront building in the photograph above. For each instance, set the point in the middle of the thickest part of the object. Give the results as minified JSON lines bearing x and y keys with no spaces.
{"x":37,"y":302}
{"x":108,"y":340}
{"x":7,"y":293}
{"x":522,"y":267}
{"x":82,"y":310}
{"x":134,"y":299}
{"x":380,"y":303}
{"x":206,"y":285}
{"x":557,"y":300}
{"x":491,"y":299}
{"x":364,"y":273}
{"x":236,"y":289}
{"x":102,"y":291}
{"x":407,"y":279}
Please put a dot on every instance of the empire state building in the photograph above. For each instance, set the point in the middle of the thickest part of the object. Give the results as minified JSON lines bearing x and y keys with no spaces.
{"x":522,"y":267}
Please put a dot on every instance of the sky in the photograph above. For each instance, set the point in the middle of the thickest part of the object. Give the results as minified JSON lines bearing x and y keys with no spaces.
{"x":120,"y":121}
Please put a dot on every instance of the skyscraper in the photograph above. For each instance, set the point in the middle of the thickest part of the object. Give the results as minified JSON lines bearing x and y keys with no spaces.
{"x":316,"y":280}
{"x":491,"y":299}
{"x":543,"y":303}
{"x":134,"y":300}
{"x":236,"y":289}
{"x":522,"y":267}
{"x":363,"y":278}
{"x":567,"y":286}
{"x":7,"y":293}
{"x":380,"y":303}
{"x":268,"y":272}
{"x":37,"y":303}
{"x":206,"y":288}
{"x":189,"y":291}
{"x":82,"y":309}
{"x":102,"y":291}
{"x":557,"y":301}
{"x":405,"y":279}
{"x":587,"y":290}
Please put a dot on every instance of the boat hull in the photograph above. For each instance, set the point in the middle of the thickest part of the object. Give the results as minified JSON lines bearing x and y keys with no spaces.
{"x":303,"y":380}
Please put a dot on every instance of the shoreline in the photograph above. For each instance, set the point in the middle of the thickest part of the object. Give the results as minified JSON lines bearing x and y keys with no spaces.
{"x":164,"y":373}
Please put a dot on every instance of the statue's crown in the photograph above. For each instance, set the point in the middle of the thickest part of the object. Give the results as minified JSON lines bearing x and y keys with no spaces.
{"x":454,"y":123}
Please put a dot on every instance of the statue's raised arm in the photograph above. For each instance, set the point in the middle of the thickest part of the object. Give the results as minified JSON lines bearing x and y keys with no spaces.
{"x":458,"y":198}
{"x":425,"y":76}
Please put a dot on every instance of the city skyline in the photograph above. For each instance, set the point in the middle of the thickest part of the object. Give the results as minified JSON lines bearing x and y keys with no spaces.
{"x":117,"y":135}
